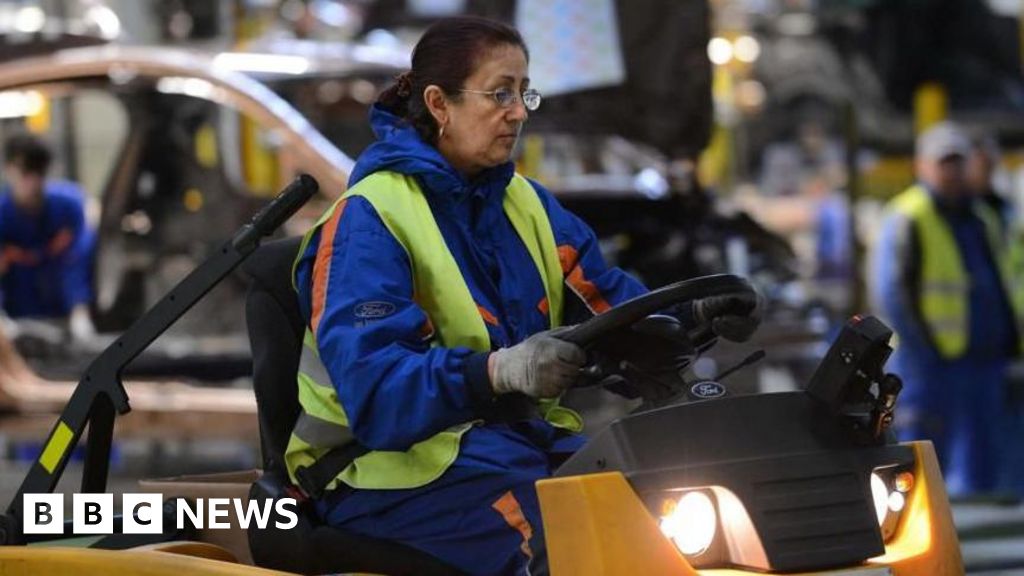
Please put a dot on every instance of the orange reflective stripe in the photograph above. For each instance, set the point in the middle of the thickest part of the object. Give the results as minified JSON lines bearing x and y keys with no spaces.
{"x":60,"y":242}
{"x":587,"y":291}
{"x":509,"y":509}
{"x":322,"y":265}
{"x":487,"y":316}
{"x":583,"y":288}
{"x":543,"y":306}
{"x":17,"y":255}
{"x":567,"y":257}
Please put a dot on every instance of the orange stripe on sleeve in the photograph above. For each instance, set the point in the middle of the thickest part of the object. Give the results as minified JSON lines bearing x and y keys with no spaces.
{"x":584,"y":288}
{"x":487,"y":316}
{"x":567,"y":257}
{"x":60,"y":242}
{"x":322,"y":264}
{"x":510,"y":510}
{"x":16,"y":255}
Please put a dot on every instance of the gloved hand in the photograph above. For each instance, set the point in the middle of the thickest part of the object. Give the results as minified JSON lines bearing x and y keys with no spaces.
{"x":731,"y":316}
{"x":542,"y":366}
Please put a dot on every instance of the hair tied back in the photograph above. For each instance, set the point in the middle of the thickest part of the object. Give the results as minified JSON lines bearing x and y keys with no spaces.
{"x":404,"y":84}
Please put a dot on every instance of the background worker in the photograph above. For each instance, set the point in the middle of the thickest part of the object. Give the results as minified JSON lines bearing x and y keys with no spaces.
{"x":982,"y":163}
{"x":45,"y":244}
{"x":431,"y":290}
{"x":941,"y":280}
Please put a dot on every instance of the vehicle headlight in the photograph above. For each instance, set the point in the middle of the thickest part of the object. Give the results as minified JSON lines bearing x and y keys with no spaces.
{"x":709,"y":526}
{"x":880,"y":496}
{"x":690,"y":522}
{"x":889,"y":488}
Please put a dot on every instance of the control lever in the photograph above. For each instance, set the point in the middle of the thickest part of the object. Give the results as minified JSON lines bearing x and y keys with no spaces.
{"x":882,"y":414}
{"x":752,"y":358}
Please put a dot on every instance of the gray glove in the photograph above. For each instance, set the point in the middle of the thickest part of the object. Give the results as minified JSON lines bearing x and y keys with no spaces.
{"x":542,"y":366}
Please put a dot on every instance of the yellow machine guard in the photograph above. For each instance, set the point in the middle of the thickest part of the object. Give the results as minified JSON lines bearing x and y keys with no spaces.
{"x":171,"y":559}
{"x":597,"y":525}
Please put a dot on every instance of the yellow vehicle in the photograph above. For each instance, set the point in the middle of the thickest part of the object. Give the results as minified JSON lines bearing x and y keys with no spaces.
{"x":694,"y":482}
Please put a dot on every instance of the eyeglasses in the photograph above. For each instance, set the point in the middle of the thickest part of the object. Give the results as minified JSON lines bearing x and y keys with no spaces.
{"x":506,"y":97}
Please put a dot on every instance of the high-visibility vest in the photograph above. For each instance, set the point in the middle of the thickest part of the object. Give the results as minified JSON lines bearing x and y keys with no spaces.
{"x":1013,"y":237}
{"x":945,"y":285}
{"x":441,"y":291}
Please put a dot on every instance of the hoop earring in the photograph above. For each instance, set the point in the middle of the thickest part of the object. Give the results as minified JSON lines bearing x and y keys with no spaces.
{"x":440,"y":132}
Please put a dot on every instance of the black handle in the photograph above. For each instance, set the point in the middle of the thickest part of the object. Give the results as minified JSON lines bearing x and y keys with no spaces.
{"x":280,"y":209}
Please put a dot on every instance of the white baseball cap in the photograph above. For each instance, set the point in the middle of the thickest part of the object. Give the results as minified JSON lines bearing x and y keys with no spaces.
{"x":942,"y":141}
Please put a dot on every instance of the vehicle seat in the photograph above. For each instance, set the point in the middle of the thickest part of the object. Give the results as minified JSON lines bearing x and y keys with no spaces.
{"x":276,"y":330}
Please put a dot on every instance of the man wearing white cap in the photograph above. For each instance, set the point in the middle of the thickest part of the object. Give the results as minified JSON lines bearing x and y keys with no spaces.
{"x":941,"y":280}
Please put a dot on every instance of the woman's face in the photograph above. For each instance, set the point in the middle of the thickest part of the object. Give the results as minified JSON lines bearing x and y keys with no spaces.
{"x":478,"y":132}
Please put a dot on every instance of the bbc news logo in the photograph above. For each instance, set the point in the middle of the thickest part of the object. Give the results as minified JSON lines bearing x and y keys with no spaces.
{"x":143,"y":513}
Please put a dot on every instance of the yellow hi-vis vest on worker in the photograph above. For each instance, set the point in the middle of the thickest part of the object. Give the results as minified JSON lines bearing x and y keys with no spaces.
{"x":440,"y":289}
{"x":945,"y":285}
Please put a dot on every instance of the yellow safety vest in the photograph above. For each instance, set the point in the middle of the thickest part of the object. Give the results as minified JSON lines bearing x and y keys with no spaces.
{"x":945,"y":285}
{"x":1013,"y":242}
{"x":440,"y":289}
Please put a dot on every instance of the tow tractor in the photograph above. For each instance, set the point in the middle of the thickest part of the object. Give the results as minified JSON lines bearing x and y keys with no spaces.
{"x":695,"y":481}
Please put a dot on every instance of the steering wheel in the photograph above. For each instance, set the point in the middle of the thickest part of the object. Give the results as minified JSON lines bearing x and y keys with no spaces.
{"x":625,"y":315}
{"x":619,"y":329}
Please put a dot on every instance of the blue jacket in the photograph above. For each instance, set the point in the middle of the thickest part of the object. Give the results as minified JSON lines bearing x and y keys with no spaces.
{"x":47,"y":257}
{"x":407,"y":390}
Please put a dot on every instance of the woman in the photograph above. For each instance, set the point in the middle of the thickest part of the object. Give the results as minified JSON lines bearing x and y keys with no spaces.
{"x":431,"y":289}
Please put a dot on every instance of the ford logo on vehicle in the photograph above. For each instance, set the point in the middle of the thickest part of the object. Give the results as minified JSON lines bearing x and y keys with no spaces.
{"x":371,"y":310}
{"x":707,"y":390}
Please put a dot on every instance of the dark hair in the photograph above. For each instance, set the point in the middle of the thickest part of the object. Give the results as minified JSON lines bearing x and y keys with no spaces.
{"x":446,"y":55}
{"x":29,"y":152}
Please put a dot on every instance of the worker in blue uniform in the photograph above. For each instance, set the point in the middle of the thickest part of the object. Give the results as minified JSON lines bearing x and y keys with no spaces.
{"x":982,"y":166}
{"x":942,"y":278}
{"x":433,"y":291}
{"x":45,"y":244}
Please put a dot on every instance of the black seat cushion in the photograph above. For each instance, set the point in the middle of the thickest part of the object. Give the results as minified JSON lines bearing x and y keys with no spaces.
{"x":276,"y":330}
{"x":313,"y":548}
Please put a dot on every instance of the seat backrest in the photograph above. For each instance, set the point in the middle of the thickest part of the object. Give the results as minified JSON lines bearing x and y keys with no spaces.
{"x":276,"y":328}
